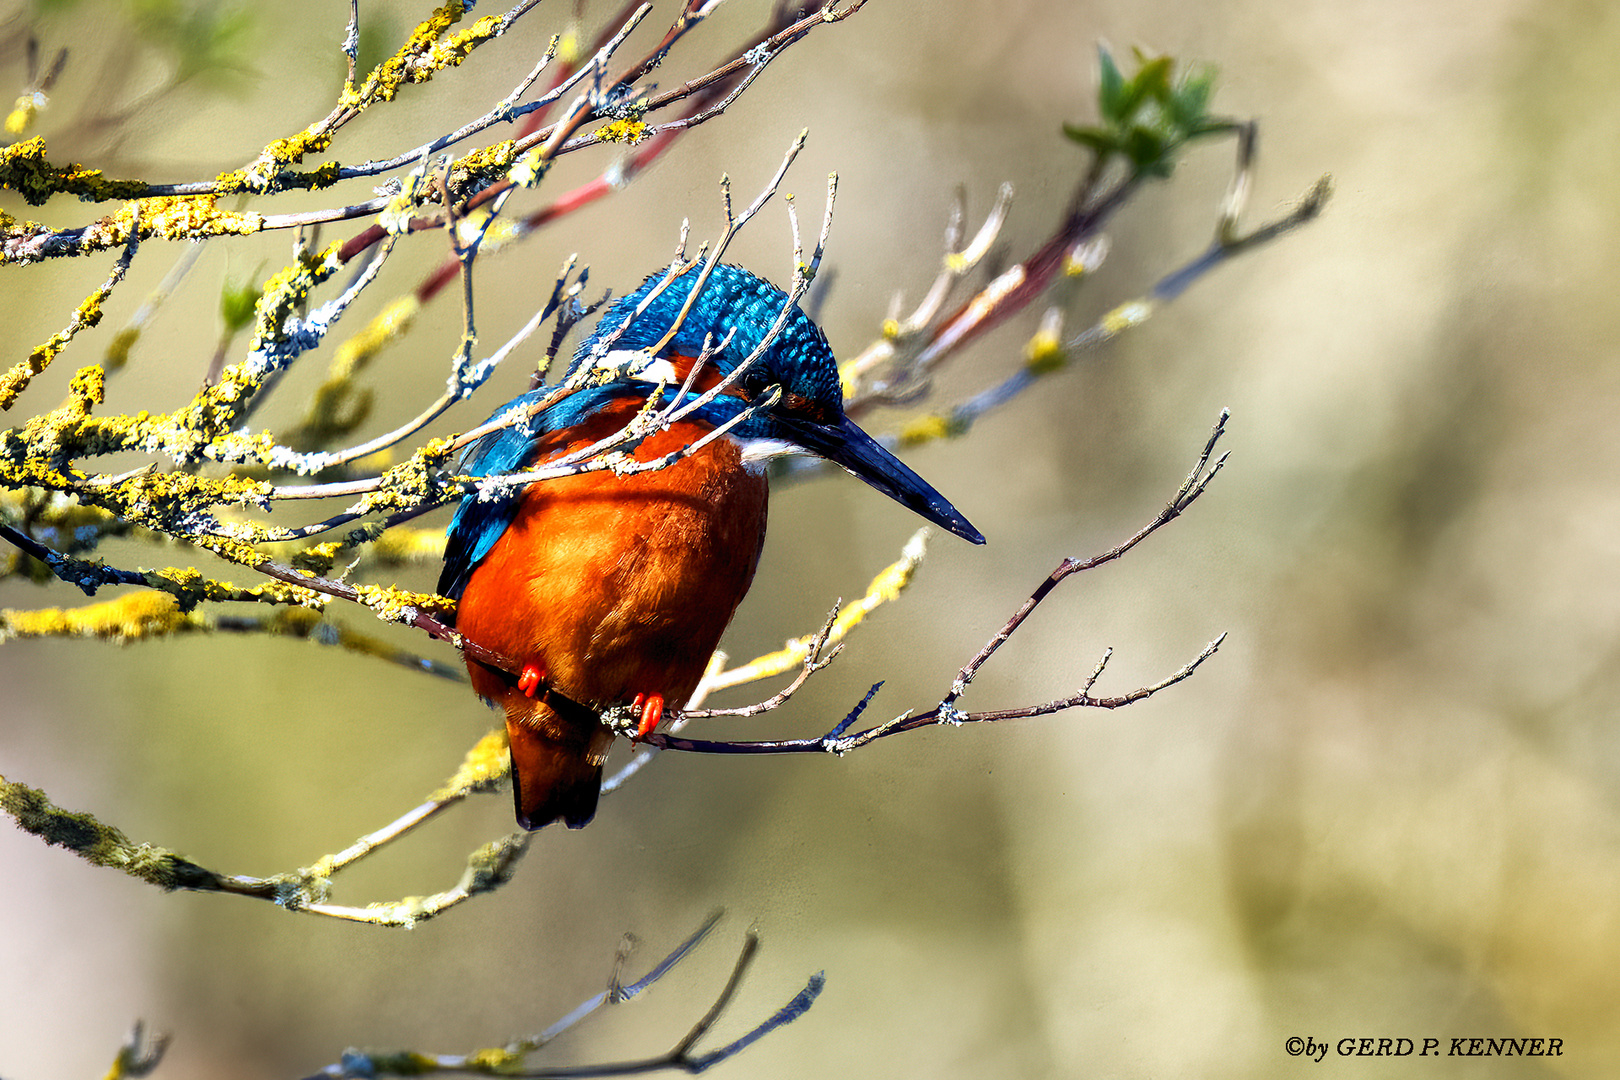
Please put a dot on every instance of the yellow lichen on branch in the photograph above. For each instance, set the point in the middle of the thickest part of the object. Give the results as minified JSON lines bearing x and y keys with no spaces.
{"x":24,"y":169}
{"x":190,"y":588}
{"x":34,"y":455}
{"x":396,"y":605}
{"x":149,"y":614}
{"x":288,"y":290}
{"x":929,"y":428}
{"x":16,"y":380}
{"x":269,"y":171}
{"x":485,"y":766}
{"x":135,"y":617}
{"x":186,"y":217}
{"x":61,"y":523}
{"x":412,"y":483}
{"x":171,"y":217}
{"x":886,"y":586}
{"x":99,"y":843}
{"x":628,"y":131}
{"x":205,"y":429}
{"x":422,"y":55}
{"x":171,"y":501}
{"x":485,"y":165}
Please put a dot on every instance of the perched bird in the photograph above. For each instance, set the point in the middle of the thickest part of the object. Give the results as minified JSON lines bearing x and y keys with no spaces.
{"x":614,"y":590}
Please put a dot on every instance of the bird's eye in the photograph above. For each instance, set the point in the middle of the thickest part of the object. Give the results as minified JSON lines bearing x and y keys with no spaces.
{"x":754,"y":383}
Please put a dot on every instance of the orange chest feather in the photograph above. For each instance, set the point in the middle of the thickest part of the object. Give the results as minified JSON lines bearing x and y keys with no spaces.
{"x":621,"y":585}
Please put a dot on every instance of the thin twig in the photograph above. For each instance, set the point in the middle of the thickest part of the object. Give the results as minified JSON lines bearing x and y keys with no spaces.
{"x":594,"y":456}
{"x":1196,"y":483}
{"x":946,"y":712}
{"x":816,"y":657}
{"x":509,"y":1060}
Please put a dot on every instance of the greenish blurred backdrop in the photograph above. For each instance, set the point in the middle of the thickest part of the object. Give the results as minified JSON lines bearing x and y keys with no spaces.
{"x":1389,"y":807}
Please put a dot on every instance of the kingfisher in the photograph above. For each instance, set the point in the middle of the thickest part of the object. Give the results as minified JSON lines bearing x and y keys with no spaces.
{"x":614,"y":590}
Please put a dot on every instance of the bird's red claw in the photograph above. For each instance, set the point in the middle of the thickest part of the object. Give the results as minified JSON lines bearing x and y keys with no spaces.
{"x":652,"y":711}
{"x":529,"y":682}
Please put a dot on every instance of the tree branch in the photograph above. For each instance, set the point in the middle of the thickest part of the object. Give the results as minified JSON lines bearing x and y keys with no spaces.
{"x":946,"y":712}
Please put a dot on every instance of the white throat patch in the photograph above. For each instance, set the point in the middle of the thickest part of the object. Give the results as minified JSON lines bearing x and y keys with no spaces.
{"x":757,"y":454}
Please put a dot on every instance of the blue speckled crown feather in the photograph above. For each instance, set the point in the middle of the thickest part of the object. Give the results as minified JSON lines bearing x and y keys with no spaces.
{"x":733,"y":299}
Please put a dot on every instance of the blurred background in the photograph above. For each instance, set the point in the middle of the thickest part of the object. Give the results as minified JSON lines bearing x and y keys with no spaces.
{"x":1387,"y":807}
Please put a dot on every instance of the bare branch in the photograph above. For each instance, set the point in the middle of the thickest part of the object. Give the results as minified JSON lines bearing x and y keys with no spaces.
{"x":816,"y":657}
{"x":511,"y":1059}
{"x":1194,"y":486}
{"x":16,"y":380}
{"x":946,"y":712}
{"x":306,"y":889}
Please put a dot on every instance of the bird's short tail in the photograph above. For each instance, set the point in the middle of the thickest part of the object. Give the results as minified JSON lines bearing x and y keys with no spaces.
{"x":551,"y":780}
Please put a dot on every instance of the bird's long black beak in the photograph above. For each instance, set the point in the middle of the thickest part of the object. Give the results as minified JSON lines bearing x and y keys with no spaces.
{"x":845,"y":444}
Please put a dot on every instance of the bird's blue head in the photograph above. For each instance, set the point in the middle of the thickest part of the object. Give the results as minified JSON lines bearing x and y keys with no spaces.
{"x":808,"y":414}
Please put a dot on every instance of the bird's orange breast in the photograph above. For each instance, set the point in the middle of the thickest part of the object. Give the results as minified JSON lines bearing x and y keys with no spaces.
{"x":617,"y":586}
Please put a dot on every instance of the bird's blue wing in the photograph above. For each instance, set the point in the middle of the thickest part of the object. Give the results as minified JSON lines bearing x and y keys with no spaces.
{"x":480,"y":522}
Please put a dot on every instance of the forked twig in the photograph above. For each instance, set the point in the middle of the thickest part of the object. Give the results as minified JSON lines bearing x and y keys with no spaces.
{"x":510,"y":1060}
{"x":837,"y":740}
{"x":307,"y":889}
{"x":1196,"y":483}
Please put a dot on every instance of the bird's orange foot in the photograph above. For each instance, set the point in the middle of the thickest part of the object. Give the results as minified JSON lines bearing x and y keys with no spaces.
{"x":529,"y":682}
{"x":652,"y":711}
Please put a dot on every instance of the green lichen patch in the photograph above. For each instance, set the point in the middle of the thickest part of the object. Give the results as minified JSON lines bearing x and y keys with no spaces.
{"x":98,"y":843}
{"x":87,"y":314}
{"x":25,"y":170}
{"x":134,"y":617}
{"x":395,"y":605}
{"x":483,"y":167}
{"x":628,"y":130}
{"x":422,"y":56}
